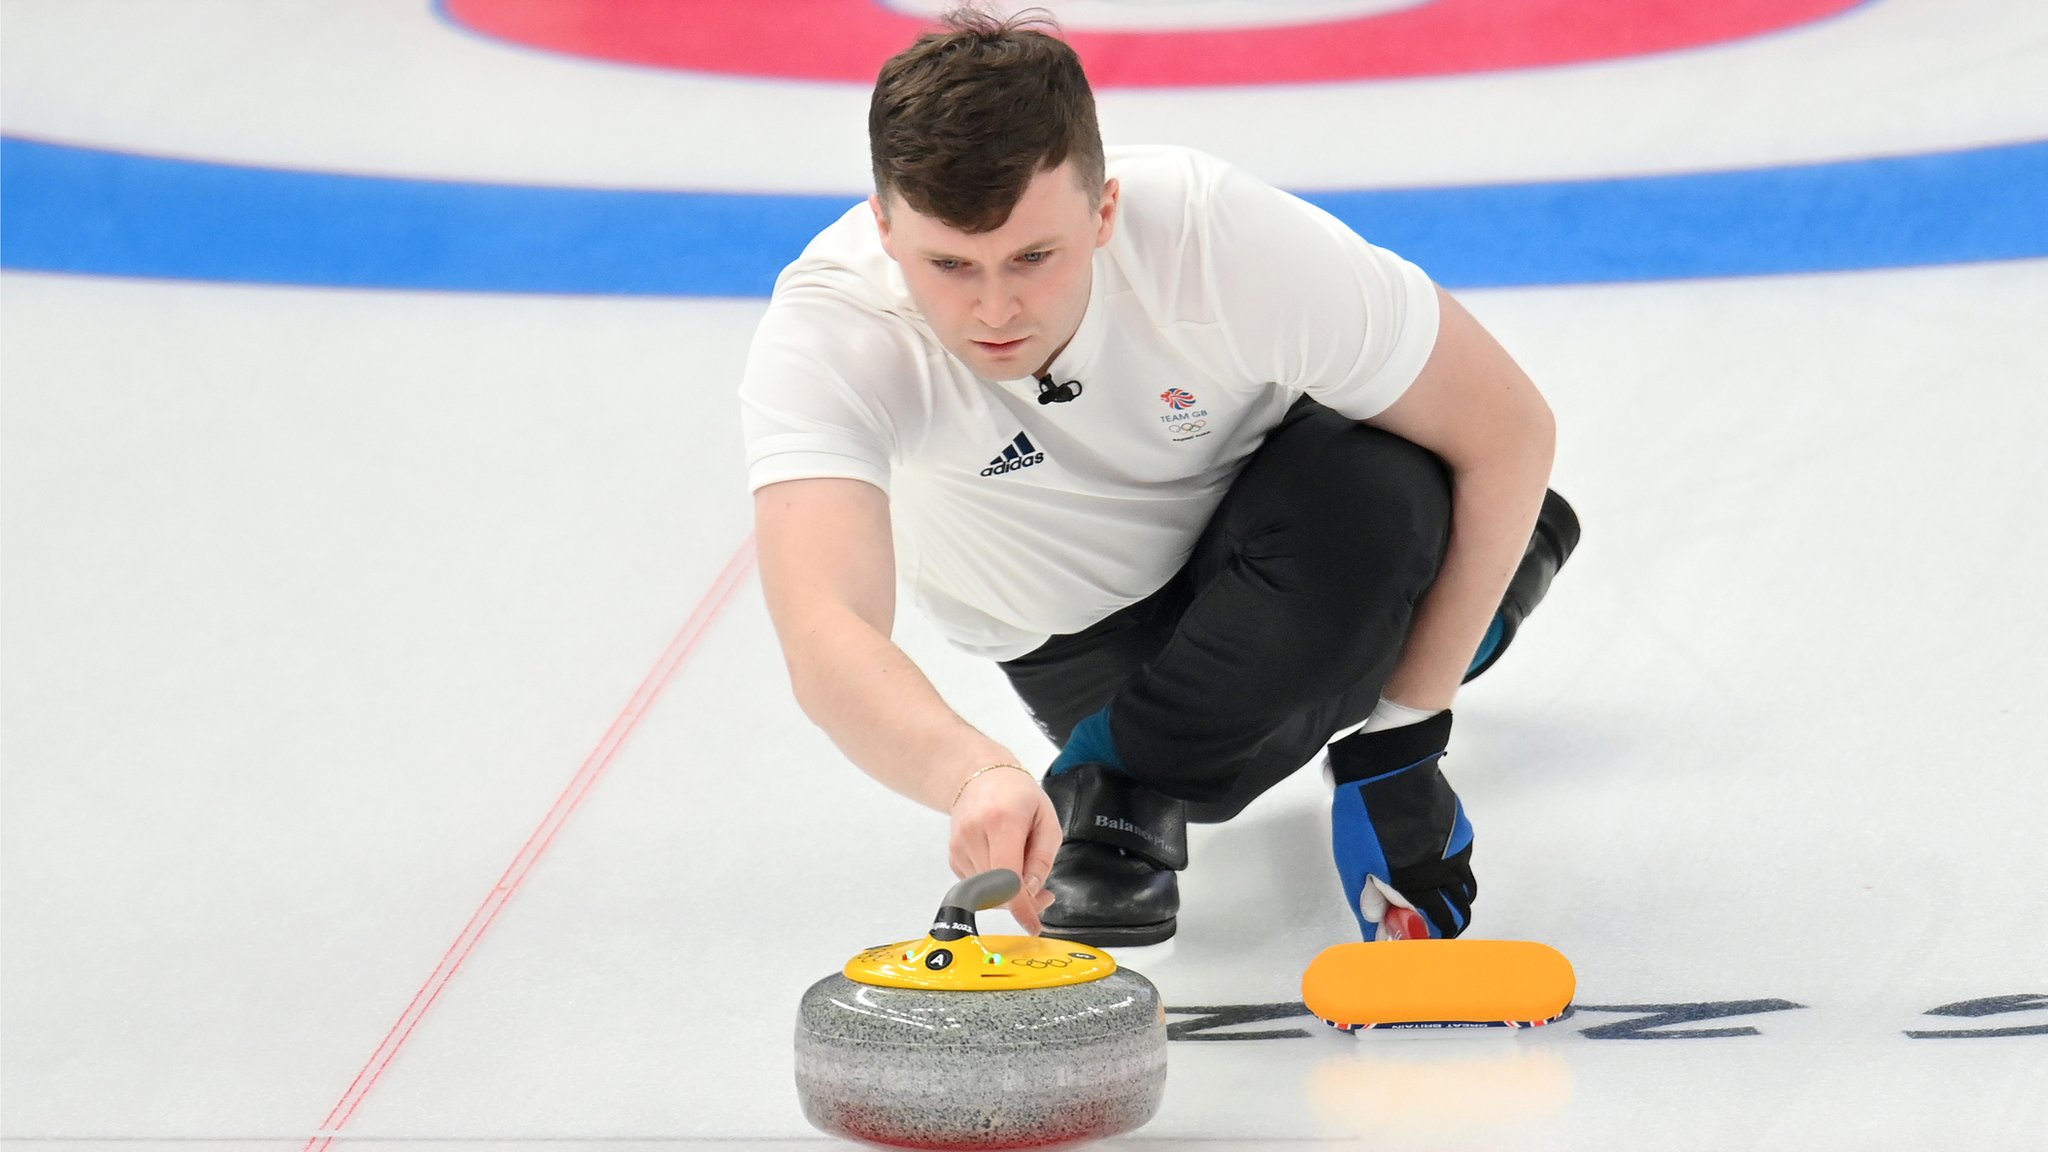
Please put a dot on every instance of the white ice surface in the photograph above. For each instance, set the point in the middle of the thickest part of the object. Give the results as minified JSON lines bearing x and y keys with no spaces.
{"x":315,"y":601}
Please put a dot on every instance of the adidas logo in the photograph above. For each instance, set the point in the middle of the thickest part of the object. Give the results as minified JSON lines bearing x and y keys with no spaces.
{"x":1019,"y":453}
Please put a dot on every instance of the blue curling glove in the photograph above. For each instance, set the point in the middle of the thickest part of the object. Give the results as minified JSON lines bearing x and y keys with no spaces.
{"x":1398,"y":832}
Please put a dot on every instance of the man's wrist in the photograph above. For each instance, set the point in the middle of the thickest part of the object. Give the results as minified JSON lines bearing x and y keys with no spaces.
{"x":949,"y":775}
{"x":983,"y":771}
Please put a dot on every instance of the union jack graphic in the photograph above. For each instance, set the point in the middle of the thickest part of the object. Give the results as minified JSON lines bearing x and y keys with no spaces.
{"x":1178,"y":398}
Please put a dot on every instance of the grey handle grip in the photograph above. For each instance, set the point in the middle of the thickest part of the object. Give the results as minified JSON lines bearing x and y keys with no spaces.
{"x":991,"y":889}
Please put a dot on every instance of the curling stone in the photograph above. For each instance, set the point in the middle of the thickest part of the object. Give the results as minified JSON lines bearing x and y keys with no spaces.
{"x":961,"y":1040}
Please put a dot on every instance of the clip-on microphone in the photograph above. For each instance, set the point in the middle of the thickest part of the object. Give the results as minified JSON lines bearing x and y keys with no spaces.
{"x":1050,"y":393}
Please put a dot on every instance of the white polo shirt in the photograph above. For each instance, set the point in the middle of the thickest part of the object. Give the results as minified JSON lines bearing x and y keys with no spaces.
{"x":1217,"y":302}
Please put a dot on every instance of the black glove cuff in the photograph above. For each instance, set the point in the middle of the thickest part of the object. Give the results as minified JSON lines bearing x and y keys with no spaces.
{"x":1363,"y":755}
{"x":1097,"y":804}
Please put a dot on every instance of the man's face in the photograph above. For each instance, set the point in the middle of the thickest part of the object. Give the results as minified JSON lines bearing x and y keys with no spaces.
{"x":1005,"y":302}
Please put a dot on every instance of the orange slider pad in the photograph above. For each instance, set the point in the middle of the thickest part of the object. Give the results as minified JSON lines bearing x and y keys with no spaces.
{"x":1439,"y":984}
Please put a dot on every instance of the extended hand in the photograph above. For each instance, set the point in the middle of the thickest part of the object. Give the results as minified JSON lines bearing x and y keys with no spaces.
{"x":1398,"y":831}
{"x":1003,"y":819}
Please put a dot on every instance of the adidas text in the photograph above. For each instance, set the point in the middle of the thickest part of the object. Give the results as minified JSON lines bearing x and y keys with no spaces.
{"x":1001,"y":466}
{"x":1020,"y":452}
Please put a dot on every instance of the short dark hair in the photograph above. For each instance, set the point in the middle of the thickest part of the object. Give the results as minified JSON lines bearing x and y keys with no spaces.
{"x":962,"y":120}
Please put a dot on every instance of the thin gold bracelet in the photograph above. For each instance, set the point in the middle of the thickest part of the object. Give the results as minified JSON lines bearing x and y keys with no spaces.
{"x":977,"y":775}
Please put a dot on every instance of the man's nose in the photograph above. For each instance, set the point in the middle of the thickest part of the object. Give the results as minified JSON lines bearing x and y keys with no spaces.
{"x":996,"y":305}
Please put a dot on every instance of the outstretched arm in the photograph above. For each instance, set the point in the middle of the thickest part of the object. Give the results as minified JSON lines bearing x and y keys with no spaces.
{"x":828,"y":570}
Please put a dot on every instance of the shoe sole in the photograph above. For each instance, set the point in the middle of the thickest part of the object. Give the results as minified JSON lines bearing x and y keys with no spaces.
{"x":1114,"y":935}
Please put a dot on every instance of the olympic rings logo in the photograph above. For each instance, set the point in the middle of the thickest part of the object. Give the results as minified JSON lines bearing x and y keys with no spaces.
{"x":1190,"y":426}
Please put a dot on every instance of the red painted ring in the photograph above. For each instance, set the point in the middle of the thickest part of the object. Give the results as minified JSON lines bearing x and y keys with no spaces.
{"x":847,"y":40}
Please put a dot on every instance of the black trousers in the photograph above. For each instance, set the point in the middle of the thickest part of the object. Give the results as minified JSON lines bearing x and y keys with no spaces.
{"x":1279,"y":631}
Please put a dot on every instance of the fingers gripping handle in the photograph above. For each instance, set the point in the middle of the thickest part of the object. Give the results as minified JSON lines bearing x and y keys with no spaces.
{"x":982,"y":891}
{"x":991,"y":889}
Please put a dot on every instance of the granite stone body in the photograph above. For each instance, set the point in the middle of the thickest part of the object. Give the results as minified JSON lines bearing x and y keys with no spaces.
{"x":945,"y":1069}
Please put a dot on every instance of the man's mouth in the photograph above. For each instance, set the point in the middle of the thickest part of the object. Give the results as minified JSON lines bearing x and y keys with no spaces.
{"x":999,"y":346}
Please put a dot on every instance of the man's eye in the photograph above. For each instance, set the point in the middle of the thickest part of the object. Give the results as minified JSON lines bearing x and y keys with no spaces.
{"x":948,"y":265}
{"x":1034,"y":257}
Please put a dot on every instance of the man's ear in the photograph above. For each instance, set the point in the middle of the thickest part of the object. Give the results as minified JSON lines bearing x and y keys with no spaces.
{"x":1106,"y":221}
{"x":881,"y":223}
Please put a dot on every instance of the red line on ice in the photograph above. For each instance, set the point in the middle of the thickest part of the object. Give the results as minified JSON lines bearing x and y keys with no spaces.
{"x":708,"y":610}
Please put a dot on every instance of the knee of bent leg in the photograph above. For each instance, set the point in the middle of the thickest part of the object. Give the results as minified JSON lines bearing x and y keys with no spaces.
{"x":1387,"y":502}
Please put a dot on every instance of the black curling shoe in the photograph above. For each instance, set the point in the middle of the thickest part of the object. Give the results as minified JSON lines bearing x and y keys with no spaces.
{"x":1110,"y":898}
{"x":1557,"y":533}
{"x":1113,"y":881}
